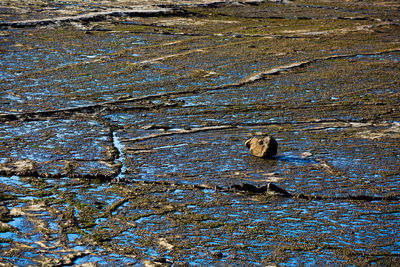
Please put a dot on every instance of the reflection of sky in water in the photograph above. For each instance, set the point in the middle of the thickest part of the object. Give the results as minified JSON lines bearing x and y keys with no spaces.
{"x":55,"y":54}
{"x":395,"y":57}
{"x":292,"y":218}
{"x":42,"y":141}
{"x":72,"y":237}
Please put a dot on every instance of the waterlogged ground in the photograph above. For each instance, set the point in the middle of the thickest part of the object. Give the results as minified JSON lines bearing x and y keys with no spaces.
{"x":122,"y":129}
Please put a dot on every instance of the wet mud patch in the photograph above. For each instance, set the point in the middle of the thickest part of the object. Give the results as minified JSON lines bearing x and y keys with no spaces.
{"x":144,"y":222}
{"x":57,"y":148}
{"x":212,"y":154}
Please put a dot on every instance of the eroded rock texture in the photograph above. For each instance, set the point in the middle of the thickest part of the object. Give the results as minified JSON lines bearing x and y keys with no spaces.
{"x":122,"y":125}
{"x":262,"y":147}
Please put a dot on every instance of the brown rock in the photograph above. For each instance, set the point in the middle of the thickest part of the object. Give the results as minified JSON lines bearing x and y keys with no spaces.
{"x":263,"y":147}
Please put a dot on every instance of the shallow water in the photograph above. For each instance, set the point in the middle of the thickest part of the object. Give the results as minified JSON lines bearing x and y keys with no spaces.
{"x":107,"y":155}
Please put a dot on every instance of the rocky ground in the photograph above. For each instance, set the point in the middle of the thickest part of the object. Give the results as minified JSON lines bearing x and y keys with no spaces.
{"x":123,"y":128}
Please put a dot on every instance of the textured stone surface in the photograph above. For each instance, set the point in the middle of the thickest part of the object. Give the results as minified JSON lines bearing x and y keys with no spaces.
{"x":163,"y":102}
{"x":263,"y":147}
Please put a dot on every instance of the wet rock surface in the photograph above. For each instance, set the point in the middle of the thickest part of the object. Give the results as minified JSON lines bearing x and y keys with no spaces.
{"x":262,"y":147}
{"x":122,"y":127}
{"x":269,"y":188}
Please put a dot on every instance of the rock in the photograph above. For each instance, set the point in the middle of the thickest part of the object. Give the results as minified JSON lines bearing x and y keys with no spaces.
{"x":245,"y":187}
{"x":276,"y":190}
{"x":263,"y":147}
{"x":156,"y":127}
{"x":4,"y":213}
{"x":217,"y":255}
{"x":269,"y":188}
{"x":19,"y":167}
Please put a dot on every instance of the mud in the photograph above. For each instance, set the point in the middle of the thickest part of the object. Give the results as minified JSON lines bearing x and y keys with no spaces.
{"x":122,"y":126}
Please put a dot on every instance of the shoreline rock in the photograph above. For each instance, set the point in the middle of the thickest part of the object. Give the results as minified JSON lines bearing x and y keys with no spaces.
{"x":262,"y":147}
{"x":269,"y":188}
